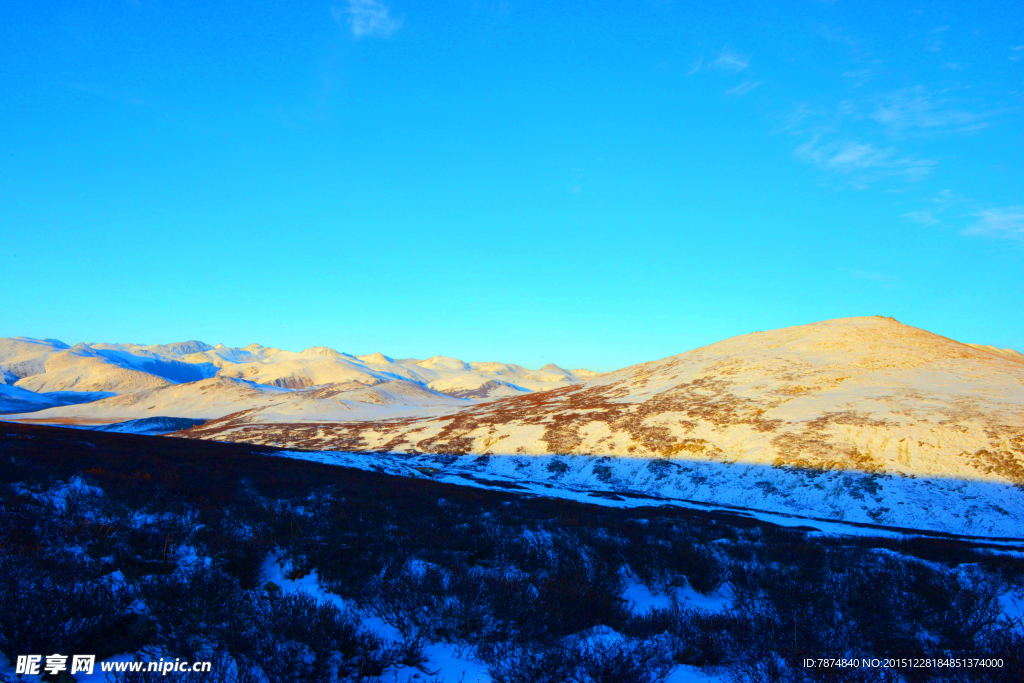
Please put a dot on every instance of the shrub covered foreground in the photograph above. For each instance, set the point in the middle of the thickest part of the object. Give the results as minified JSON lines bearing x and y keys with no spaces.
{"x":113,"y":544}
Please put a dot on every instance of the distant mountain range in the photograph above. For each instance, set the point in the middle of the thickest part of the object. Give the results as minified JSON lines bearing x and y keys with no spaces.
{"x":192,"y":379}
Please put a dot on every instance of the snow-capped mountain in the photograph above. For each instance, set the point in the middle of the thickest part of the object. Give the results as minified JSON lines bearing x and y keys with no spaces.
{"x":866,"y":396}
{"x":196,"y":380}
{"x":220,"y":396}
{"x":49,"y":365}
{"x":863,"y":393}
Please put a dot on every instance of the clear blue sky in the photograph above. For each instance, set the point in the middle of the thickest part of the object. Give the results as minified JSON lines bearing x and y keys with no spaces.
{"x":591,"y":184}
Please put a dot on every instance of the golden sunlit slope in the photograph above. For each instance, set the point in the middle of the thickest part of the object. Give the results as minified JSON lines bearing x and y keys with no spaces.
{"x":219,"y":396}
{"x":83,"y":370}
{"x":867,"y":393}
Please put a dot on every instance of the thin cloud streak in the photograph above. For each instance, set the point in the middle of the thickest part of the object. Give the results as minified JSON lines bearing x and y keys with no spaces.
{"x":368,"y":18}
{"x":918,"y":110}
{"x":1000,"y":223}
{"x":731,"y":61}
{"x":923,"y":217}
{"x":863,"y":159}
{"x":742,"y":89}
{"x":929,"y":217}
{"x":932,"y":216}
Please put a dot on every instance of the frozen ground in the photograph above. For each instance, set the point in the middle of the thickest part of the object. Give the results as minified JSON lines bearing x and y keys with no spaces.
{"x":839,"y":502}
{"x":448,"y":663}
{"x":387,"y":523}
{"x":444,"y":658}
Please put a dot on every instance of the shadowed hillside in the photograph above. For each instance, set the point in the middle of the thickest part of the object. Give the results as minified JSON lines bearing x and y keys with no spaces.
{"x":378,"y":577}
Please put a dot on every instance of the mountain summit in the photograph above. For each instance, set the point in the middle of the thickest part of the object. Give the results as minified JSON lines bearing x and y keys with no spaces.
{"x":857,"y":419}
{"x":866,"y":394}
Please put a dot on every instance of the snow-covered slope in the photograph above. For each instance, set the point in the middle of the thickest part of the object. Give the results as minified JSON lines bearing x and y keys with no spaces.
{"x":150,"y":425}
{"x":313,"y":367}
{"x":866,"y":395}
{"x":220,"y":396}
{"x":318,"y":365}
{"x":203,"y":399}
{"x":21,"y":357}
{"x":860,"y":393}
{"x":48,"y":365}
{"x":81,"y":368}
{"x":86,"y":372}
{"x":18,"y":400}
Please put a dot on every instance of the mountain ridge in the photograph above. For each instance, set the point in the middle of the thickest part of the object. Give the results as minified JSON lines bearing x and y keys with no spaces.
{"x":84,"y":372}
{"x":862,"y":393}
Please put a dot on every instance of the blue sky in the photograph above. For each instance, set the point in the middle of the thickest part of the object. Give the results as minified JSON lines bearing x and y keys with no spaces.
{"x":591,"y":184}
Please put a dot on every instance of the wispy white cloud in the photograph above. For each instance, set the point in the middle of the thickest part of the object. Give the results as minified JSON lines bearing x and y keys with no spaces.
{"x":924,"y":217}
{"x":731,"y":61}
{"x":933,"y":215}
{"x":918,"y":109}
{"x":860,"y":75}
{"x":934,"y":42}
{"x":862,"y":64}
{"x":1016,"y":57}
{"x":367,"y":18}
{"x":800,"y":120}
{"x":862,"y":159}
{"x":742,"y":89}
{"x":727,"y":60}
{"x":1001,"y":223}
{"x":850,"y":156}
